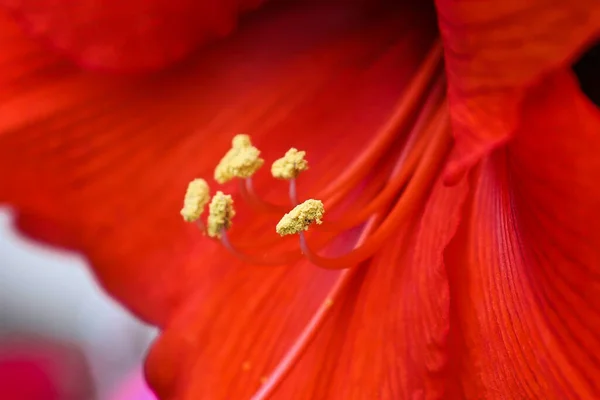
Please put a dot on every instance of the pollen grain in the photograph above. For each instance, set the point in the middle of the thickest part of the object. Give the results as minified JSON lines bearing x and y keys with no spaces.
{"x":301,"y":217}
{"x":241,"y":161}
{"x":290,"y":165}
{"x":220,"y":214}
{"x":196,"y":198}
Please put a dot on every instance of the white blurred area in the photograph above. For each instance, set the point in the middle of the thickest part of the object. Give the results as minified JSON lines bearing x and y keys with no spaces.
{"x":52,"y":293}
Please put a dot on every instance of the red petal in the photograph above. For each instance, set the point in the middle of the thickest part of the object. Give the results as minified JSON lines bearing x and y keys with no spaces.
{"x":389,"y":337}
{"x":109,"y":174}
{"x":35,"y":83}
{"x":526,"y":265}
{"x":494,"y":50}
{"x":128,"y":35}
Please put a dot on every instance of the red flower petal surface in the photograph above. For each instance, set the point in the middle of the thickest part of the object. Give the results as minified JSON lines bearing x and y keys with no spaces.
{"x":105,"y":174}
{"x":389,"y":337}
{"x":494,"y":50}
{"x":128,"y":35}
{"x":525,"y":265}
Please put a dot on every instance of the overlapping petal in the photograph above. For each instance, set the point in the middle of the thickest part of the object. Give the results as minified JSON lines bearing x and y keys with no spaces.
{"x":494,"y":51}
{"x":390,"y":338}
{"x":525,"y":265}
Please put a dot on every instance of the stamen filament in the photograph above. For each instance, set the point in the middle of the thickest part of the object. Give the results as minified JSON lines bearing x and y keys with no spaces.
{"x":293,"y":192}
{"x":310,"y":331}
{"x":279,"y":259}
{"x":418,"y":138}
{"x":201,"y":225}
{"x":414,"y":194}
{"x":405,"y":109}
{"x":249,"y":194}
{"x":403,"y":169}
{"x":388,"y":204}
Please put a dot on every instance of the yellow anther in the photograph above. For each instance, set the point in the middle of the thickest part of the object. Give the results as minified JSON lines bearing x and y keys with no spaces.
{"x":196,"y":198}
{"x":298,"y":220}
{"x":240,"y":141}
{"x":290,"y":165}
{"x":241,"y":161}
{"x":220,"y":214}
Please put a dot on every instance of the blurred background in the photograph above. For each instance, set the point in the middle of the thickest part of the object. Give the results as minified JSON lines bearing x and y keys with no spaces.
{"x":61,"y":336}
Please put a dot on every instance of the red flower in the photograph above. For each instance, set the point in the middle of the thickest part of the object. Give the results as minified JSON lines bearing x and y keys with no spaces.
{"x":483,"y":273}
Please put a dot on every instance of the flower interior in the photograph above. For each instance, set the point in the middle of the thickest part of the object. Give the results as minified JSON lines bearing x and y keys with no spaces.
{"x":377,"y":193}
{"x":411,"y":145}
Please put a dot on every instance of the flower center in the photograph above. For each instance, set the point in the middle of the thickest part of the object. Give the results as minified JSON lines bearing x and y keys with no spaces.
{"x":420,"y":118}
{"x":379,"y":191}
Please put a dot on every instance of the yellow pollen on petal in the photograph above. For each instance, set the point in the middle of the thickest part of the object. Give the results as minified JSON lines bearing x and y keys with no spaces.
{"x":196,"y":198}
{"x":220,"y":214}
{"x":290,"y":165}
{"x":246,"y":366}
{"x":241,"y":161}
{"x":301,"y":216}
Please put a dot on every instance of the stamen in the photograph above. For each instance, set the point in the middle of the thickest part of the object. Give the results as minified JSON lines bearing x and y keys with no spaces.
{"x":405,"y":109}
{"x":241,"y":161}
{"x":413,"y":196}
{"x":220,"y":214}
{"x":301,"y":217}
{"x":419,"y":134}
{"x":265,"y":259}
{"x":422,"y":133}
{"x":201,"y":226}
{"x":290,"y":165}
{"x":293,"y":192}
{"x":311,"y":329}
{"x":241,"y":141}
{"x":251,"y":197}
{"x":387,"y":200}
{"x":196,"y":198}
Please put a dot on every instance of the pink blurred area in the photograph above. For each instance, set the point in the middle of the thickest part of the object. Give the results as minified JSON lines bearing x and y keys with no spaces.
{"x":61,"y":336}
{"x":35,"y":369}
{"x":135,"y":388}
{"x":41,"y":369}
